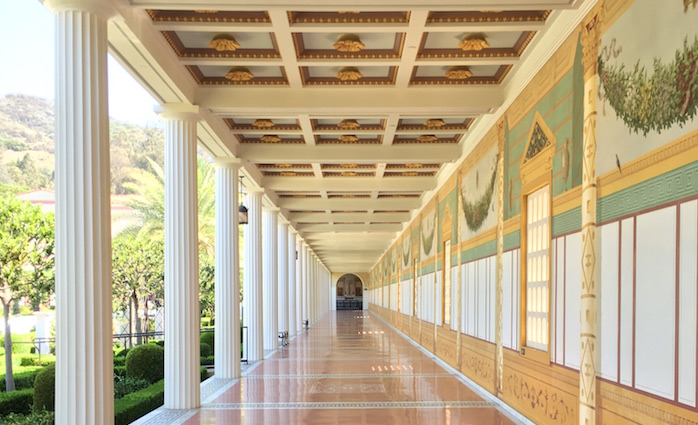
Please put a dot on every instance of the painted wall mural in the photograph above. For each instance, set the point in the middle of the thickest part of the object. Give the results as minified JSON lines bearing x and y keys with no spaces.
{"x":428,"y":230}
{"x":406,"y":253}
{"x":479,"y":196}
{"x":648,"y":84}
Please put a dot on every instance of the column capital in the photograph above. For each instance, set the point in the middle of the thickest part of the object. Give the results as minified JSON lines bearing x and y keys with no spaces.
{"x":234,"y":163}
{"x":271,"y":210}
{"x":291,"y":230}
{"x":178,"y":111}
{"x":285,"y":224}
{"x":255,"y":191}
{"x":104,"y":8}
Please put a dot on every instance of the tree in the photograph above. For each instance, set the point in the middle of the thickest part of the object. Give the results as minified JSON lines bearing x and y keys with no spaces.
{"x":26,"y":261}
{"x":138,"y":270}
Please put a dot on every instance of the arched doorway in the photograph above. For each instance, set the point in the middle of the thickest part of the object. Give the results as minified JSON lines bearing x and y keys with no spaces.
{"x":349,"y":292}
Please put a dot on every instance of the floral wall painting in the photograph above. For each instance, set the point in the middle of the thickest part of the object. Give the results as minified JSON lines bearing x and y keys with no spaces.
{"x":429,"y":235}
{"x":406,"y":253}
{"x":393,"y":261}
{"x":648,"y":84}
{"x":479,"y":196}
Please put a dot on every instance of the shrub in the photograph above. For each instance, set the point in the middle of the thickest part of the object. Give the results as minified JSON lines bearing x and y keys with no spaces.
{"x":45,"y":389}
{"x":127,"y":385}
{"x":34,"y":361}
{"x":120,"y":371}
{"x":119,"y":360}
{"x":35,"y":418}
{"x":146,"y":361}
{"x":16,"y":402}
{"x":23,"y":380}
{"x":132,"y":406}
{"x":123,"y":352}
{"x":208,"y":338}
{"x":204,"y":349}
{"x":160,"y":342}
{"x":208,"y":361}
{"x":204,"y":373}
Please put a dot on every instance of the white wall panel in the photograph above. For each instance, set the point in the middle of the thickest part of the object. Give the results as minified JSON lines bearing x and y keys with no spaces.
{"x":627,"y":275}
{"x":454,"y":297}
{"x":464,"y":299}
{"x":492,"y":274}
{"x":573,"y":290}
{"x":481,"y":298}
{"x":558,"y":274}
{"x":688,"y":247}
{"x":507,"y":297}
{"x":438,"y":294}
{"x":655,"y":297}
{"x":517,"y":298}
{"x":608,"y":300}
{"x":472,"y":305}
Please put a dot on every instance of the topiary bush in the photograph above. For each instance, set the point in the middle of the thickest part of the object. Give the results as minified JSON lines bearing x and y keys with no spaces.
{"x":23,"y":380}
{"x":119,"y":361}
{"x":132,"y":406}
{"x":160,"y":342}
{"x":207,"y":361}
{"x":146,"y":361}
{"x":45,"y":389}
{"x":204,"y":349}
{"x":120,"y":371}
{"x":208,"y":338}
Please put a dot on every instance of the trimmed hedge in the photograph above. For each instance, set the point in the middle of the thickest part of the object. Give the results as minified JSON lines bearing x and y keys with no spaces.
{"x":122,"y":353}
{"x":204,"y":373}
{"x":207,"y":361}
{"x":160,"y":342}
{"x":120,"y":371}
{"x":34,"y":361}
{"x":132,"y":406}
{"x":17,"y":402}
{"x":208,"y":338}
{"x":146,"y":361}
{"x":23,"y":380}
{"x":120,"y":361}
{"x":205,"y":350}
{"x":34,"y":418}
{"x":45,"y":389}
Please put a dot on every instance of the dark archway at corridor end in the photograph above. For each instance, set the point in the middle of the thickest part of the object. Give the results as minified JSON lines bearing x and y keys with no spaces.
{"x":349,"y":292}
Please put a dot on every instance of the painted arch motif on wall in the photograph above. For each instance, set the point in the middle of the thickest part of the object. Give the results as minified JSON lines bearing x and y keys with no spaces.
{"x":648,"y":94}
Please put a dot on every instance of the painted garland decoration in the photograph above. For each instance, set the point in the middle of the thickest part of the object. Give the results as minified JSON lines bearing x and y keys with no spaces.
{"x":657,"y":101}
{"x":428,"y":238}
{"x":406,"y":251}
{"x":476,"y":212}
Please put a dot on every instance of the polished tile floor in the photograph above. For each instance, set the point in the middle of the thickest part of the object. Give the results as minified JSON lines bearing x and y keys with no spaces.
{"x":348,"y":368}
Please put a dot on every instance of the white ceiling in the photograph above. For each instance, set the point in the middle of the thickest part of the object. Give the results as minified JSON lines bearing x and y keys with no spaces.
{"x":348,"y":198}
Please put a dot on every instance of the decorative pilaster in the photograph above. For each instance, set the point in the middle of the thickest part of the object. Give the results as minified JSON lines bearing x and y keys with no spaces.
{"x":498,"y":329}
{"x":84,"y":364}
{"x":252,"y":277}
{"x":283,"y":276}
{"x":292,"y":317}
{"x":270,"y":274}
{"x":227,"y":341}
{"x":591,"y":40}
{"x":181,"y":257}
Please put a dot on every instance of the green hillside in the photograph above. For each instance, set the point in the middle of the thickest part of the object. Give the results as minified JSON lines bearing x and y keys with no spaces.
{"x":26,"y":145}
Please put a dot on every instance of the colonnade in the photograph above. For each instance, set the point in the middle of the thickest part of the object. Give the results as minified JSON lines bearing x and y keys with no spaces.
{"x":285,"y":284}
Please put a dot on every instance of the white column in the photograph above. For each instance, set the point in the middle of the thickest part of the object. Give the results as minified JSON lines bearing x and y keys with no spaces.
{"x":270,"y":274}
{"x":181,"y":257}
{"x":283,"y":276}
{"x":291,"y":244}
{"x":252,"y":276}
{"x":306,"y":283}
{"x":84,"y":365}
{"x":299,"y":286}
{"x":227,"y":341}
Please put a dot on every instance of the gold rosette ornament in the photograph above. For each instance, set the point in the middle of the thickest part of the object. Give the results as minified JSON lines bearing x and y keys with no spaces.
{"x":224,"y":43}
{"x":239,"y":73}
{"x":349,"y":43}
{"x":349,"y":73}
{"x":474,"y":43}
{"x":458,"y":73}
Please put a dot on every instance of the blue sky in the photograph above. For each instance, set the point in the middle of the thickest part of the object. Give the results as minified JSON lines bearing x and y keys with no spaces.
{"x":27,"y":52}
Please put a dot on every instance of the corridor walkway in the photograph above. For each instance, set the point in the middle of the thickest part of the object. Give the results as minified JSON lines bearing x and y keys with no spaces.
{"x":348,"y":368}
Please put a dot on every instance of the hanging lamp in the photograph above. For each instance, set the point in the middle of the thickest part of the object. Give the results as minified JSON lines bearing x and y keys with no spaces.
{"x":242,"y":209}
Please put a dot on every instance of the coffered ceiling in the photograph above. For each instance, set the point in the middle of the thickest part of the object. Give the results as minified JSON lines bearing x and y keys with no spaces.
{"x":348,"y":114}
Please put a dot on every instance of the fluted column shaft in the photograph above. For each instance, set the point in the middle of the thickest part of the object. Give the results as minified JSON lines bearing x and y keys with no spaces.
{"x":299,"y":286}
{"x":270,"y":260}
{"x":84,"y":365}
{"x":252,"y":276}
{"x":291,"y":244}
{"x":283,"y":276}
{"x":181,"y":258}
{"x":306,"y":283}
{"x":227,"y":296}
